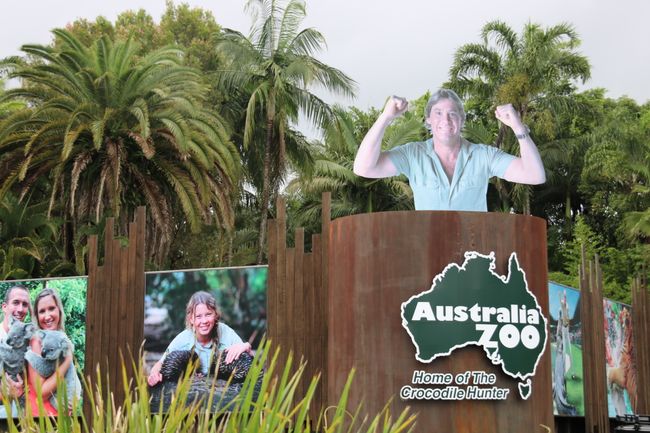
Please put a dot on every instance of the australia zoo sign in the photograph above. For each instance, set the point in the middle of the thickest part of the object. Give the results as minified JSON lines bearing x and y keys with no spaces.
{"x":470,"y":304}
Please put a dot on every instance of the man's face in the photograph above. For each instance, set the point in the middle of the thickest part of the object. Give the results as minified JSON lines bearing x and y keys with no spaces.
{"x":445,"y":121}
{"x":17,"y":305}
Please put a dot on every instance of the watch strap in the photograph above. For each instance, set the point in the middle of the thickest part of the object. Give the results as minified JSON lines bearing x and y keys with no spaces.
{"x":524,"y":134}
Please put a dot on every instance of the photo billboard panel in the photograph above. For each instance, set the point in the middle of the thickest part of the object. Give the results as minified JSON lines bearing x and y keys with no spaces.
{"x":566,"y":350}
{"x":620,"y":364}
{"x":43,"y":322}
{"x":207,"y":313}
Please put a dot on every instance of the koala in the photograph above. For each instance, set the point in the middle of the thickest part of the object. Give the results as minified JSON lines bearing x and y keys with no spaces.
{"x":55,"y":347}
{"x":14,"y":347}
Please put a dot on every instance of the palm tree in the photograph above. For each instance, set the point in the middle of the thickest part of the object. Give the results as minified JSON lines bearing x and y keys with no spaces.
{"x":7,"y":108}
{"x":563,"y":156}
{"x":352,"y":194}
{"x":110,"y":130}
{"x":534,"y":71}
{"x":637,"y":223}
{"x":234,"y":247}
{"x":616,"y":175}
{"x":28,"y":246}
{"x":276,"y":68}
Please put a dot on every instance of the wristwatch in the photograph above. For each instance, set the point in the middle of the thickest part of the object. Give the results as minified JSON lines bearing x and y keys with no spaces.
{"x":523,"y":135}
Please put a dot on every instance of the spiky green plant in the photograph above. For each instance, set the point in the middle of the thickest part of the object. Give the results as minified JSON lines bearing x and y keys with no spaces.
{"x":28,"y":240}
{"x":106,"y":130}
{"x":274,"y":406}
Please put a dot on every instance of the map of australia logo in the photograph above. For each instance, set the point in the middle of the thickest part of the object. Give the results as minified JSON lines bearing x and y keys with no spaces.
{"x":472,"y":305}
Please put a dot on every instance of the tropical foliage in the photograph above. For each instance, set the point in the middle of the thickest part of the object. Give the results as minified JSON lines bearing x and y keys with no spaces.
{"x":200,"y":124}
{"x":108,"y":131}
{"x":276,"y":68}
{"x":28,"y":241}
{"x":275,"y":404}
{"x":8,"y":107}
{"x":214,"y":247}
{"x":534,"y":71}
{"x":332,"y":172}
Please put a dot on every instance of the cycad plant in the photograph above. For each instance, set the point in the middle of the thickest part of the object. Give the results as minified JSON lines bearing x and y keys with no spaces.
{"x":28,"y":241}
{"x":106,"y":130}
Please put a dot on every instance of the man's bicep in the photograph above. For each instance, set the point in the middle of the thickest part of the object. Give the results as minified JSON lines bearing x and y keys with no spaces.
{"x":513,"y":172}
{"x":501,"y":163}
{"x":384,"y":168}
{"x":516,"y":172}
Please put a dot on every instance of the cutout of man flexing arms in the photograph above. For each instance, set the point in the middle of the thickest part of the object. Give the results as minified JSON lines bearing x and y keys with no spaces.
{"x":15,"y":304}
{"x":447,"y":172}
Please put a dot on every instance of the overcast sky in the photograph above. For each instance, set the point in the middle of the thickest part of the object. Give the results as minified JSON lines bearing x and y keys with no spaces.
{"x":402,"y":47}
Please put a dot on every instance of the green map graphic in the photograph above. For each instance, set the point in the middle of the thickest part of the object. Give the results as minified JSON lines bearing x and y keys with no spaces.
{"x":472,"y":305}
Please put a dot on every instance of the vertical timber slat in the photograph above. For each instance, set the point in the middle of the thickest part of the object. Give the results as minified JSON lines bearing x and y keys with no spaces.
{"x":281,"y":305}
{"x":131,"y":286}
{"x":122,"y":316}
{"x":298,"y":310}
{"x":113,"y":357}
{"x":272,"y":285}
{"x":307,"y":313}
{"x":592,"y":317}
{"x":316,"y":340}
{"x":599,"y":352}
{"x":115,"y":307}
{"x":289,"y":305}
{"x":106,"y":285}
{"x":138,"y":282}
{"x":641,"y":330}
{"x":323,"y":294}
{"x":297,"y":296}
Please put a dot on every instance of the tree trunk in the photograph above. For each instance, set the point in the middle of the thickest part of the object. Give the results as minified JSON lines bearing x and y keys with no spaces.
{"x":266,"y":191}
{"x":500,"y":136}
{"x":522,"y":114}
{"x":567,"y":212}
{"x":526,"y":202}
{"x":502,"y":190}
{"x":231,"y":237}
{"x":504,"y":195}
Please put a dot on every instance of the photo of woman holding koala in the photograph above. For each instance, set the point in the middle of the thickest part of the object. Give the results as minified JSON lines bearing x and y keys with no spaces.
{"x":50,"y":346}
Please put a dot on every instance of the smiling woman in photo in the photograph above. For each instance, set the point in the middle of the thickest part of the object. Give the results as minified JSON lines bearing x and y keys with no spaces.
{"x":204,"y":334}
{"x":49,"y":316}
